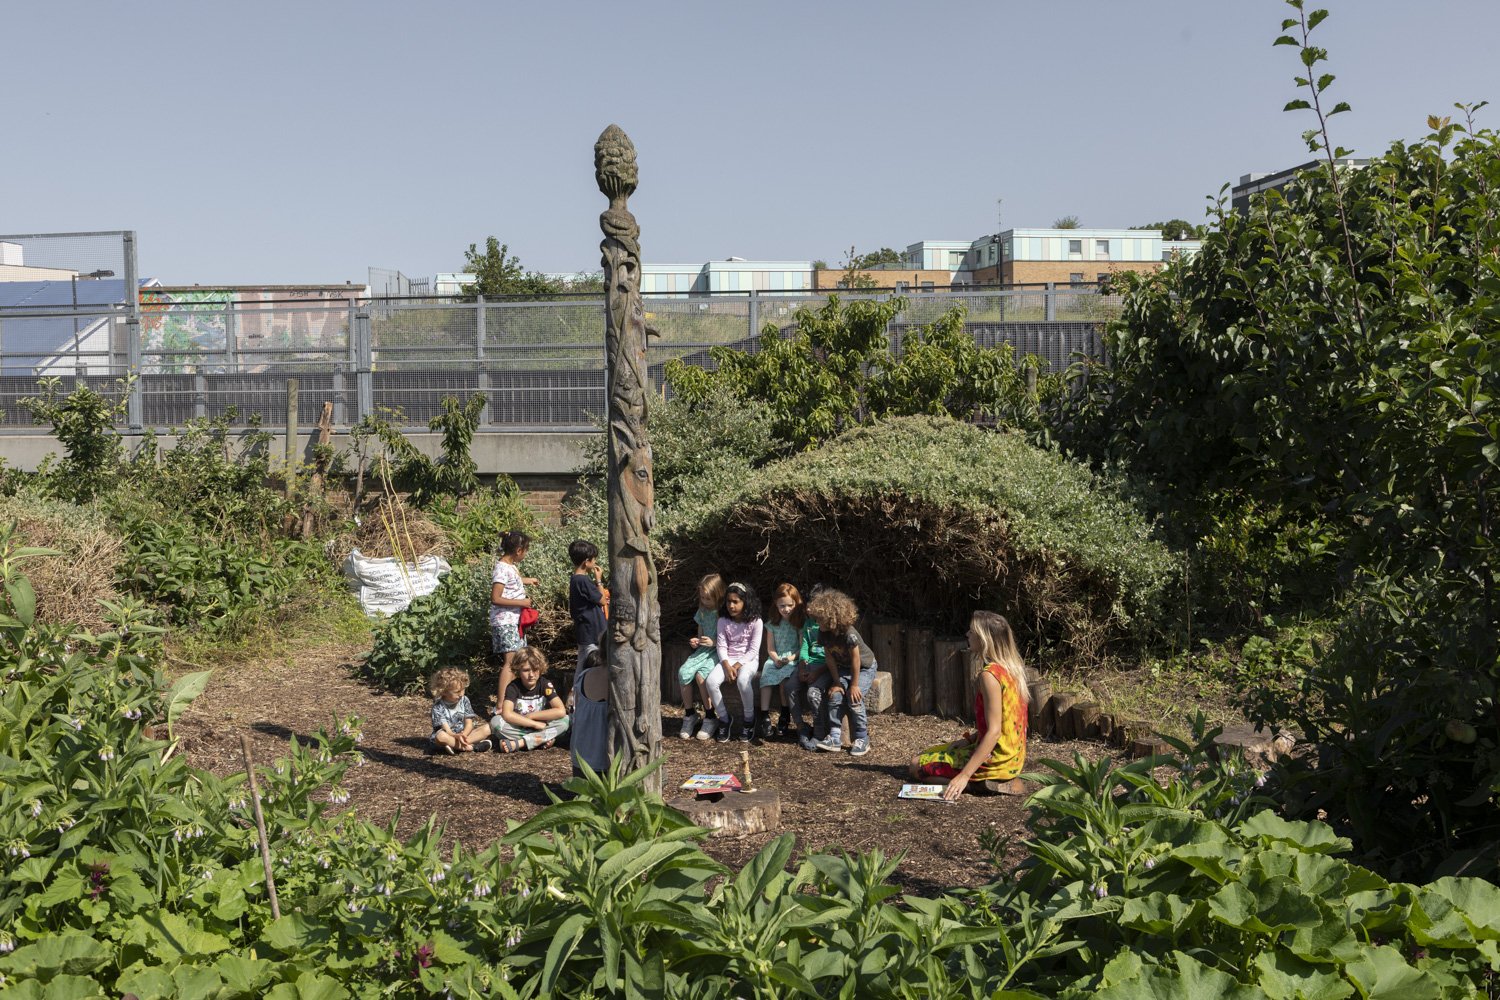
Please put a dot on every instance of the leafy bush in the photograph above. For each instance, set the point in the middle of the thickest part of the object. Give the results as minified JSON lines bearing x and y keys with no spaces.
{"x":472,"y":526}
{"x":921,"y":517}
{"x":83,"y":422}
{"x":446,"y":628}
{"x":211,"y":583}
{"x":452,"y":474}
{"x":836,"y":370}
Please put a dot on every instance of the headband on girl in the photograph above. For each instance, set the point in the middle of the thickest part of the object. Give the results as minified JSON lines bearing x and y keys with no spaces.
{"x":738,"y":588}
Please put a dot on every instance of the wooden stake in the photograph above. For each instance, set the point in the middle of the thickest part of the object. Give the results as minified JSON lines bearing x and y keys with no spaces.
{"x":260,"y":825}
{"x":749,"y":785}
{"x":291,"y":435}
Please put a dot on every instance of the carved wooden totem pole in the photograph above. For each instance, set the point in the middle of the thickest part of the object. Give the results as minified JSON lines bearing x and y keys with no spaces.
{"x":634,"y":648}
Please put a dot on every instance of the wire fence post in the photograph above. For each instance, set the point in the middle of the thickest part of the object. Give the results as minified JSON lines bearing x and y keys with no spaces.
{"x":134,"y":411}
{"x":754,"y":314}
{"x":364,"y":382}
{"x":231,"y":336}
{"x":482,"y":370}
{"x":1050,"y":302}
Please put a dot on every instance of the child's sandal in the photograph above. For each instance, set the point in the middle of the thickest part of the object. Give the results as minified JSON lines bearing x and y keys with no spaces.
{"x":511,"y":746}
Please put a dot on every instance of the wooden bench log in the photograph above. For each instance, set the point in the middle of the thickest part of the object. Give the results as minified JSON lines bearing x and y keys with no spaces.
{"x":888,"y":640}
{"x":949,"y":664}
{"x":1084,"y":721}
{"x":1062,"y":704}
{"x":1014,"y":786}
{"x":673,"y":656}
{"x":1040,"y":720}
{"x":919,"y":669}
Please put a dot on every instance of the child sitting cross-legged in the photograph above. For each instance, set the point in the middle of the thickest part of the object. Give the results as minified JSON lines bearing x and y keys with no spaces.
{"x":532,"y":714}
{"x":455,"y":726}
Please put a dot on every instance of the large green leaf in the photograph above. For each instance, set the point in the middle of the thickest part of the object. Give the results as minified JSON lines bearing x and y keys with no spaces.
{"x":154,"y":983}
{"x":68,"y":952}
{"x":1477,"y":900}
{"x":1380,"y":973}
{"x":1314,"y":837}
{"x":1286,"y":977}
{"x":183,"y":692}
{"x":171,"y":937}
{"x":1191,"y":980}
{"x":1434,"y":921}
{"x":1276,"y":905}
{"x":1159,"y":913}
{"x":309,"y":986}
{"x":295,"y":932}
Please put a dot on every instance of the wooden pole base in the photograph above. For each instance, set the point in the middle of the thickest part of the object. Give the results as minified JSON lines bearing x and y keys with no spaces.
{"x":733,"y":814}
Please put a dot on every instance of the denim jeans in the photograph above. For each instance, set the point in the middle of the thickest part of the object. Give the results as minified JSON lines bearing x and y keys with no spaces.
{"x":811,"y":695}
{"x":859,"y":716}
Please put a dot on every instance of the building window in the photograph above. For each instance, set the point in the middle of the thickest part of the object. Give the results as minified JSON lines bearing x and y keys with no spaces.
{"x":900,"y":286}
{"x":1075,"y":249}
{"x":1102,"y":278}
{"x":1076,"y":278}
{"x":955,"y":259}
{"x":927,"y":286}
{"x":1101,"y":249}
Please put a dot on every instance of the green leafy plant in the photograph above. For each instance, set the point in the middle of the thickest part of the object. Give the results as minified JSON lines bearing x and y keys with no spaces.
{"x":83,"y":421}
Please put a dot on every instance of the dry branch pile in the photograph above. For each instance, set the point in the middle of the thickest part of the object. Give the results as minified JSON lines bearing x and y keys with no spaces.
{"x":69,"y":586}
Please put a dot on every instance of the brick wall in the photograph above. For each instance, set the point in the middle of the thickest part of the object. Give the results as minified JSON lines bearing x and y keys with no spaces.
{"x":1035,"y":272}
{"x":829,"y":278}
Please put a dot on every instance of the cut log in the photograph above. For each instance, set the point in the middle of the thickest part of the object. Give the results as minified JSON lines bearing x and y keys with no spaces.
{"x":1062,"y":704}
{"x":888,"y":640}
{"x":733,"y":814}
{"x":971,"y":680}
{"x":1040,"y":719}
{"x":919,"y":681}
{"x":1149,"y":745}
{"x":1106,"y":727}
{"x":1085,"y":721}
{"x":881,"y":695}
{"x":948,"y":676}
{"x":1129,"y":730}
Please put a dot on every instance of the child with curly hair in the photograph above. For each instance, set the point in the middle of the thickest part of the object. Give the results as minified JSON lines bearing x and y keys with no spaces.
{"x":456,"y":727}
{"x":851,"y":668}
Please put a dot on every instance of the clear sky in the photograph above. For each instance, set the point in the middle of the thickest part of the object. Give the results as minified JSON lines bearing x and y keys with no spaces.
{"x":304,"y":141}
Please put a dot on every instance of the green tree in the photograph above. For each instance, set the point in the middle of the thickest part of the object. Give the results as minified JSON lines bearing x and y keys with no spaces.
{"x":1177,"y":229}
{"x":1334,"y":352}
{"x":499,"y":272}
{"x":876,"y":258}
{"x":1067,"y":222}
{"x":835,"y":370}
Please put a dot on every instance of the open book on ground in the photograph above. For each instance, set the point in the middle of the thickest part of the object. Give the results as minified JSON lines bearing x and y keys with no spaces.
{"x":921,"y":792}
{"x":706,"y":783}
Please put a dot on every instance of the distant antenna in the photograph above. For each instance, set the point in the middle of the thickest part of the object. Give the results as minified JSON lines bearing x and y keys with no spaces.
{"x":999,"y":215}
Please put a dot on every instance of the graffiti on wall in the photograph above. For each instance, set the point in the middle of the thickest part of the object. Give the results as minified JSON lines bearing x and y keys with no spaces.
{"x":188,"y":329}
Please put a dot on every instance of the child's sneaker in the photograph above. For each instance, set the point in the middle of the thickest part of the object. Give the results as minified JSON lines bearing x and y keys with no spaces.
{"x":707,"y":730}
{"x":445,"y":748}
{"x":747,"y":731}
{"x":832,"y":743}
{"x":806,"y":742}
{"x":763,"y":730}
{"x":689,"y":724}
{"x":860,"y":748}
{"x":483,"y":746}
{"x":722,"y":732}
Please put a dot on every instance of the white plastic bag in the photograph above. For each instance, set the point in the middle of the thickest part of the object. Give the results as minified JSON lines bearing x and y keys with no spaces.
{"x":385,"y":586}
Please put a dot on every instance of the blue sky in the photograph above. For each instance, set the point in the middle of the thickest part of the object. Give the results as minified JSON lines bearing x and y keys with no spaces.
{"x":303,"y":142}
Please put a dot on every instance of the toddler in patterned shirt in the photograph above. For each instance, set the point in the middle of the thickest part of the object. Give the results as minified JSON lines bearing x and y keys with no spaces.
{"x":455,"y":725}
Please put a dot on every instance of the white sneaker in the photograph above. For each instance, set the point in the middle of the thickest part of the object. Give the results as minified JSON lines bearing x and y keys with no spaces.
{"x":709,"y":725}
{"x":689,"y":724}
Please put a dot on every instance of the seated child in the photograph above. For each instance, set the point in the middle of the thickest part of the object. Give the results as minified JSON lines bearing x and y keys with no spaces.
{"x":589,"y":741}
{"x":455,"y":726}
{"x":532,"y":714}
{"x":809,"y":687}
{"x":693,"y":674}
{"x":783,"y":649}
{"x":851,"y":668}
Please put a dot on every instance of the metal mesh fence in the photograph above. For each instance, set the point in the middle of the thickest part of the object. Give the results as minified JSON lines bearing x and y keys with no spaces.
{"x":541,"y":364}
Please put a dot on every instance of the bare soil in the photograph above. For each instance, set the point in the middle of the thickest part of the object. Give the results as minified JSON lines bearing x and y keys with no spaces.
{"x":829,"y":801}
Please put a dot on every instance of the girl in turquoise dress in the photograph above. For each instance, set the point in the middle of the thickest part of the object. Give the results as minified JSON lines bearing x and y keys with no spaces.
{"x":783,"y":648}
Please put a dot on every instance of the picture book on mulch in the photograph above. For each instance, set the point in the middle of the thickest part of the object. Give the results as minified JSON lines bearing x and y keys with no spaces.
{"x":703,"y":784}
{"x":931,"y":792}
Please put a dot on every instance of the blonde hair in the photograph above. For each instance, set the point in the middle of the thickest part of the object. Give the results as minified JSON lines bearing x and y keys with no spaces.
{"x":531,"y":655}
{"x":712,"y":587}
{"x":835,"y":611}
{"x":448,"y":681}
{"x":998,"y":645}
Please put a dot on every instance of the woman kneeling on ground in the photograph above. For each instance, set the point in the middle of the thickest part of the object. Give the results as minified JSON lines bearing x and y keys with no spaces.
{"x":996,"y":751}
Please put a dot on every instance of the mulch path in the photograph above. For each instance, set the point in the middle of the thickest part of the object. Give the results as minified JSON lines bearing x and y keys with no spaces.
{"x":830,"y":801}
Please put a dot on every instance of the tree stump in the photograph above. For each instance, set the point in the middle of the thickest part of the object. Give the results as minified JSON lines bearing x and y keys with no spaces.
{"x":1128,"y":730}
{"x":889,"y":644}
{"x":732,"y":814}
{"x":1106,"y":727}
{"x":948,"y":676}
{"x":919,"y":681}
{"x":1062,"y":704}
{"x":1040,"y":719}
{"x":1149,"y":745}
{"x":1084,"y":720}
